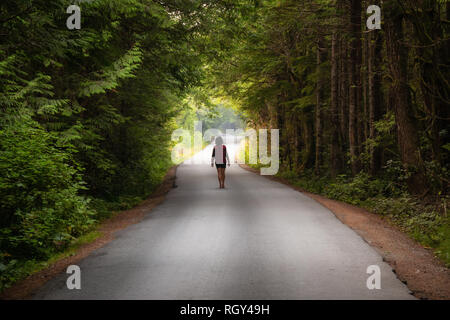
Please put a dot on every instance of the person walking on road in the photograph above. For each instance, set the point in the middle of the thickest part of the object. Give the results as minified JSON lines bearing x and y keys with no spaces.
{"x":220,"y":155}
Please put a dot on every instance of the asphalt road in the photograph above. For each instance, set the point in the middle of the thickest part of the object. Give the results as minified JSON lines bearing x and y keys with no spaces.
{"x":256,"y":239}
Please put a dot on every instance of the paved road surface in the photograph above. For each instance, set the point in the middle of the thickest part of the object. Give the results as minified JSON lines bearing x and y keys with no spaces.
{"x":257,"y":239}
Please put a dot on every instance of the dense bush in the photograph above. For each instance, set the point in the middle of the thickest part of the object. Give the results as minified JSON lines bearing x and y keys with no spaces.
{"x":428,"y":224}
{"x":39,"y":185}
{"x":353,"y":190}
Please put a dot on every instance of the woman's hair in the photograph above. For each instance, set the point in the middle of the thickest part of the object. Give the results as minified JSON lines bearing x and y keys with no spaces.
{"x":219,"y":140}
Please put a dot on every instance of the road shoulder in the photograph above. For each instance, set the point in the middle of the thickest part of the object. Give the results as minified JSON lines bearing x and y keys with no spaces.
{"x":417,"y":267}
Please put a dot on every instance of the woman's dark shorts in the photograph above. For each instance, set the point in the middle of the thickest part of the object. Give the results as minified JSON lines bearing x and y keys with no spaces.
{"x":221,"y":165}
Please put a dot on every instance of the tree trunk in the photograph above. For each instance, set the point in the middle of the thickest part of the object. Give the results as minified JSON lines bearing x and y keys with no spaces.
{"x":320,"y":56}
{"x":375,"y":99}
{"x":408,"y":140}
{"x":365,"y":89}
{"x":354,"y":64}
{"x":334,"y":115}
{"x":343,"y":77}
{"x":343,"y":105}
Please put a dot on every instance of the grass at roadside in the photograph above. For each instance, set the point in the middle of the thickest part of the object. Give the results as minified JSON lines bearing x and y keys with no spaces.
{"x":20,"y":269}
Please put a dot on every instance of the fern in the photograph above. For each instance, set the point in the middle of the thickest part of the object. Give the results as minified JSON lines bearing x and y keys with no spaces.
{"x":123,"y":68}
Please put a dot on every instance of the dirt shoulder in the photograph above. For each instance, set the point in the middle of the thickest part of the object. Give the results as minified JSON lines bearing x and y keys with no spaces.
{"x":423,"y":273}
{"x":25,"y":288}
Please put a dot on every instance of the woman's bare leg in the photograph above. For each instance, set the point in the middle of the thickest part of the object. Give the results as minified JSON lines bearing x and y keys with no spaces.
{"x":223,"y":177}
{"x":219,"y":178}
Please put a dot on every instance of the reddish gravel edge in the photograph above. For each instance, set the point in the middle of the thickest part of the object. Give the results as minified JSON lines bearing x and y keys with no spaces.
{"x":424,"y":274}
{"x":25,"y":288}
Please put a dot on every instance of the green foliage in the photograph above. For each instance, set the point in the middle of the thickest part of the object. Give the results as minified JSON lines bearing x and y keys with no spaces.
{"x":427,"y":224}
{"x":355,"y":190}
{"x":123,"y":68}
{"x":15,"y":270}
{"x":39,"y":185}
{"x":86,"y":115}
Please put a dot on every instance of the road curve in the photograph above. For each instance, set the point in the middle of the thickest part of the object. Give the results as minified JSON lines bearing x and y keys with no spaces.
{"x":256,"y":239}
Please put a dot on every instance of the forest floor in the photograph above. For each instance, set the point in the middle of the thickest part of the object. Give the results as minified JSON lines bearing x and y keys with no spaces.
{"x":26,"y":287}
{"x":424,"y":274}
